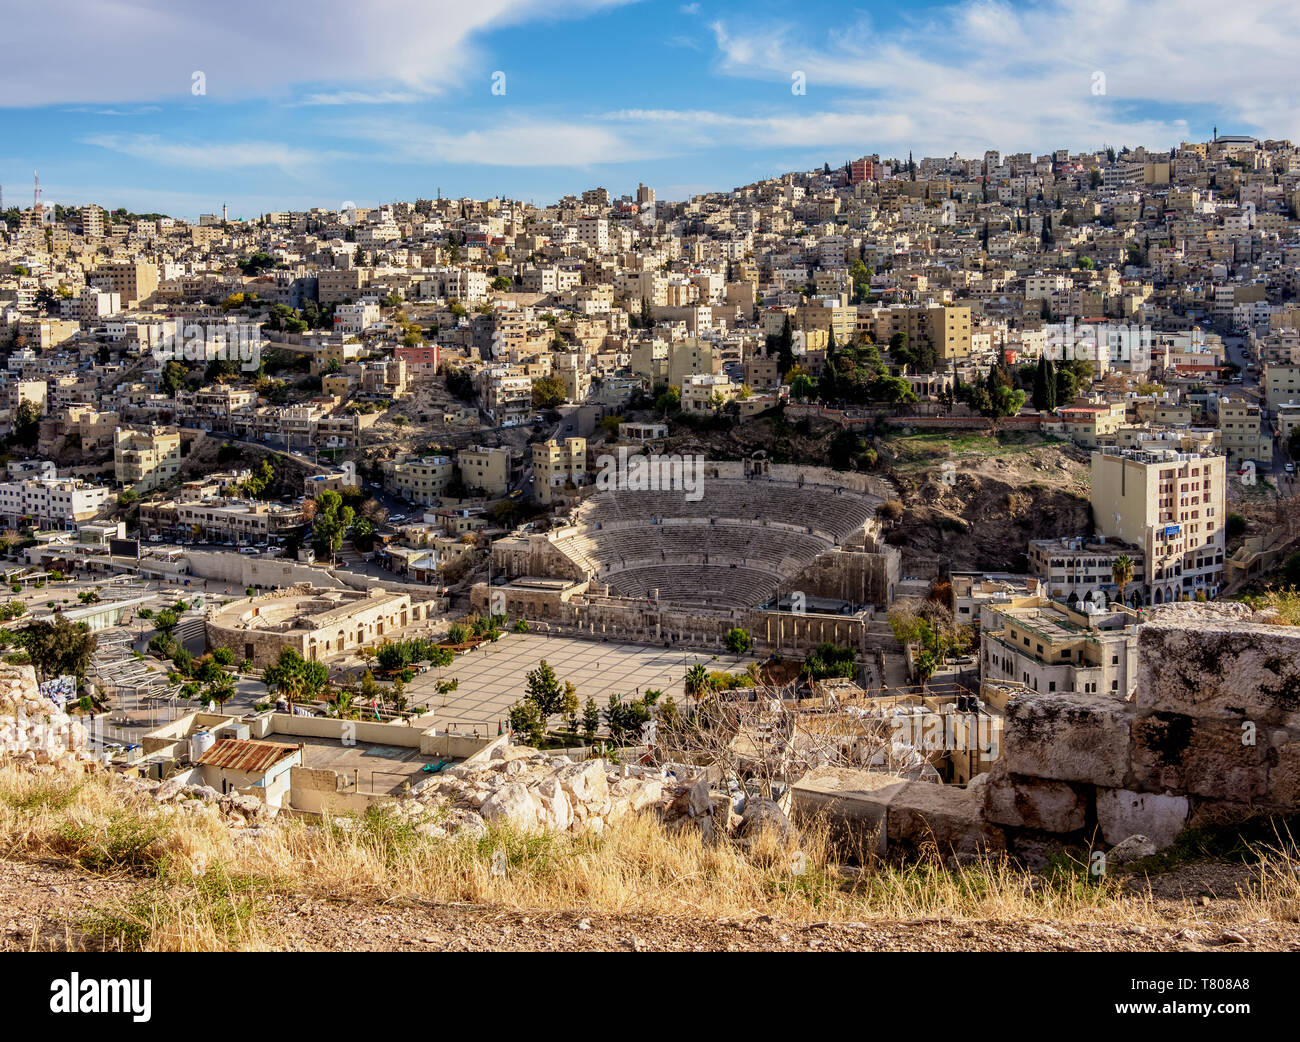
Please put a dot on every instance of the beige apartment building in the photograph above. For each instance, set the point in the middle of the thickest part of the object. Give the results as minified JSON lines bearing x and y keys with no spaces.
{"x":419,"y":480}
{"x":134,"y":281}
{"x":1281,"y":384}
{"x":691,"y":358}
{"x":145,"y":460}
{"x":946,"y":327}
{"x":1078,"y":570}
{"x":1172,"y":505}
{"x":1048,"y":647}
{"x":1242,"y":432}
{"x":556,"y":464}
{"x":1092,"y":424}
{"x":334,"y":286}
{"x":486,"y":470}
{"x":237,"y":520}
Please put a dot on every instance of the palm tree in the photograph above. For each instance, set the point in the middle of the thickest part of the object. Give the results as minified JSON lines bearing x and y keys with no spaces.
{"x":1122,"y":572}
{"x":697,"y":679}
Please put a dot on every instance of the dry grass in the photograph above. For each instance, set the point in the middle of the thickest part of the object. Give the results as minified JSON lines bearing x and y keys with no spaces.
{"x":201,"y":885}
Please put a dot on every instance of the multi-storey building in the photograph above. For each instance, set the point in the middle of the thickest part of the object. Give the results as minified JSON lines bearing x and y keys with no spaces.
{"x":419,"y":480}
{"x":1079,"y":571}
{"x":144,"y":460}
{"x":49,"y":502}
{"x":1049,"y":647}
{"x":485,"y":470}
{"x":1173,"y":506}
{"x":557,"y":464}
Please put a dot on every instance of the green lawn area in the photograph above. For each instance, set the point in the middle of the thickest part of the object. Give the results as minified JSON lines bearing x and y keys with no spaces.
{"x":923,"y":448}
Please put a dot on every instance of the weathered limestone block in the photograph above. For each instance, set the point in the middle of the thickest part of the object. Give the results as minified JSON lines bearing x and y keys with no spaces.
{"x":1067,"y":737}
{"x":852,"y":803}
{"x":585,"y":782}
{"x":1284,"y":777}
{"x":1173,"y":751}
{"x":1122,"y":813}
{"x":921,"y":813}
{"x":1035,"y":803}
{"x":1220,"y":669}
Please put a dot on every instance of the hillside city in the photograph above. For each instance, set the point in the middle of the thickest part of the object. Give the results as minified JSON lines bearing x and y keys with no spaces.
{"x":908,"y":506}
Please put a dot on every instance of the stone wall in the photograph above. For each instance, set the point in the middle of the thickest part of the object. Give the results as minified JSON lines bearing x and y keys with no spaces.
{"x":858,"y":576}
{"x":1211,"y":737}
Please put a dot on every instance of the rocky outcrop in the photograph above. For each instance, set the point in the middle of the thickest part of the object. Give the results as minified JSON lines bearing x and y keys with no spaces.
{"x":33,"y":729}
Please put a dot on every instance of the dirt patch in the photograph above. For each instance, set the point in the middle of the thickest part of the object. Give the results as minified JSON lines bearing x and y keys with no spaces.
{"x":43,"y":906}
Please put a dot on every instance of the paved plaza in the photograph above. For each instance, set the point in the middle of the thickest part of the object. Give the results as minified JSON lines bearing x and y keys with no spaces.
{"x":492,"y":677}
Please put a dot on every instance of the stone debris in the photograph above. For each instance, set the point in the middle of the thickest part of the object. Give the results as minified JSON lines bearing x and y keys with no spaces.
{"x":33,"y":729}
{"x":1134,"y":848}
{"x":532,"y":790}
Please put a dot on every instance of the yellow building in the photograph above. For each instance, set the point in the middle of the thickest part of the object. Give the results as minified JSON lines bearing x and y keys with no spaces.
{"x":557,"y":464}
{"x":946,"y":327}
{"x":1172,"y":505}
{"x":145,"y":460}
{"x":485,"y":469}
{"x":134,"y":281}
{"x":419,"y":480}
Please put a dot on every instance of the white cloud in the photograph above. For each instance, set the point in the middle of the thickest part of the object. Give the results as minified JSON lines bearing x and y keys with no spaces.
{"x":91,"y":51}
{"x":358,"y":97}
{"x":983,"y":73}
{"x":229,"y":155}
{"x":532,"y":142}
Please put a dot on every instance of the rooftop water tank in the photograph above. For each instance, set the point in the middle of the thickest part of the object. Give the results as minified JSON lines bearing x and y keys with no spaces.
{"x":200,"y":743}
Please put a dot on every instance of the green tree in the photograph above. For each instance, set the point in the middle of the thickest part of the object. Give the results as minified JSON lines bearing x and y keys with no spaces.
{"x":59,"y":647}
{"x":295,"y":678}
{"x":544,"y":690}
{"x":27,"y":423}
{"x":738,"y":641}
{"x":590,"y":720}
{"x":331,"y":521}
{"x":548,"y":392}
{"x":527,"y":722}
{"x":697,"y":680}
{"x":785,"y":347}
{"x":173,"y":378}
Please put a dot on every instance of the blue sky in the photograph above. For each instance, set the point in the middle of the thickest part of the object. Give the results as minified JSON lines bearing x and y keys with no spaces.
{"x":315,"y":104}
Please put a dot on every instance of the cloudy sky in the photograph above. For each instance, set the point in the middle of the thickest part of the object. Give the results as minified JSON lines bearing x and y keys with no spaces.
{"x":178,"y":107}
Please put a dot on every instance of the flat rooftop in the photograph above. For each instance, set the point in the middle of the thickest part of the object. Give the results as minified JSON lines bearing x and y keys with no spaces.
{"x":377,"y":768}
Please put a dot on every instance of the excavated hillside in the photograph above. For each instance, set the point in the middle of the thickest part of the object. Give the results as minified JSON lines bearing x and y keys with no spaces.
{"x":973,"y":501}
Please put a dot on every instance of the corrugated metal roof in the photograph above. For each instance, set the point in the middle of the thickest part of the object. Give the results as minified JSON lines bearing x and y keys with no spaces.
{"x":246,"y":755}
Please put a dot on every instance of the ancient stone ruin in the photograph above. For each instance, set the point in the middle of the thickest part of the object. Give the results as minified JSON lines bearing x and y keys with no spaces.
{"x":1211,"y":737}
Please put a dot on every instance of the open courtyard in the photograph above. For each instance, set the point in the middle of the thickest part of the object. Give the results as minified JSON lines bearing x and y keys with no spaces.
{"x":492,"y":676}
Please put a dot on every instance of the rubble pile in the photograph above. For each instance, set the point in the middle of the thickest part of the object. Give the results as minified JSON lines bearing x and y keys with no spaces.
{"x":33,"y":729}
{"x":533,"y":790}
